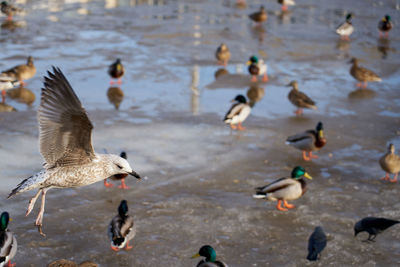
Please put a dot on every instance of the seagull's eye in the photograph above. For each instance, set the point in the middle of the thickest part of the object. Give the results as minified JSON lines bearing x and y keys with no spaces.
{"x":119,"y":166}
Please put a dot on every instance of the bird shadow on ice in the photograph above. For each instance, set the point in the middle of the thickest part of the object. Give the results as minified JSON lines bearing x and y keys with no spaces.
{"x":359,"y":94}
{"x":115,"y":96}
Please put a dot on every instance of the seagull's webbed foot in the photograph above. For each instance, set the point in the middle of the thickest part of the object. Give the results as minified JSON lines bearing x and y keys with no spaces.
{"x":106,"y":184}
{"x":39,"y":219}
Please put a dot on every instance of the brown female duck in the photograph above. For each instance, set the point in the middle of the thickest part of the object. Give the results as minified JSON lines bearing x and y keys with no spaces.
{"x":21,"y":72}
{"x":362,"y":74}
{"x":390,"y":163}
{"x":299,"y":99}
{"x":259,"y":16}
{"x":223,"y":54}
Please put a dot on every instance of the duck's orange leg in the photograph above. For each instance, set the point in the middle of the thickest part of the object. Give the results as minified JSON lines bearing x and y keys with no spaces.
{"x":3,"y":96}
{"x":9,"y":264}
{"x":287,"y":205}
{"x":311,"y":156}
{"x":123,"y":185}
{"x":284,"y":7}
{"x":240,"y":127}
{"x":253,"y":78}
{"x":119,"y":81}
{"x":278,"y":206}
{"x":299,"y":111}
{"x":386,"y":177}
{"x":265,"y":78}
{"x":127,"y":247}
{"x":394,"y":178}
{"x":115,"y":248}
{"x":233,"y":127}
{"x":106,"y":184}
{"x":305,"y":156}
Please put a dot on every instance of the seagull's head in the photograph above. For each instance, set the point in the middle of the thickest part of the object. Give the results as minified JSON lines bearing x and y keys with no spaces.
{"x":119,"y":165}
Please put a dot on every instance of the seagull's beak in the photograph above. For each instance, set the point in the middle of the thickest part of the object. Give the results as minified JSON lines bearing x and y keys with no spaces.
{"x":307,"y":176}
{"x":135,"y":174}
{"x":195,"y":255}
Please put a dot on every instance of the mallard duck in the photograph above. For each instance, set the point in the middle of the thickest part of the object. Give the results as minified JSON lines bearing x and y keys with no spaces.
{"x":9,"y":10}
{"x":120,"y":176}
{"x":286,"y":3}
{"x":116,"y":71}
{"x":308,"y":141}
{"x":346,"y":28}
{"x":238,"y":112}
{"x":362,"y":75}
{"x":6,"y":83}
{"x":384,"y":26}
{"x":257,"y":67}
{"x":210,"y":257}
{"x":115,"y":96}
{"x":21,"y":72}
{"x":222,"y":54}
{"x":259,"y":16}
{"x":390,"y":163}
{"x":122,"y":228}
{"x":300,"y":99}
{"x":285,"y":188}
{"x":8,"y":243}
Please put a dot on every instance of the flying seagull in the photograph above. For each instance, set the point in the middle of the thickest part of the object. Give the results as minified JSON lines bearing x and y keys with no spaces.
{"x":65,"y":144}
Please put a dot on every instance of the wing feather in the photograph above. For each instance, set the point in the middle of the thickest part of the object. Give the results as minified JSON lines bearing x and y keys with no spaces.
{"x":65,"y":129}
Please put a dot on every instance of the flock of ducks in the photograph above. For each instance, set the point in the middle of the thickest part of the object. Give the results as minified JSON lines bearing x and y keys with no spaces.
{"x":61,"y":112}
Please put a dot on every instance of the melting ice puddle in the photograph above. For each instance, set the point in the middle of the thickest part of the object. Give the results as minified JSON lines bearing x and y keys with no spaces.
{"x":389,"y":114}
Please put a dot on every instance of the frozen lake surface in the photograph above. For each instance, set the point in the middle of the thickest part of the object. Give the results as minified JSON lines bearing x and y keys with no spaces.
{"x":201,"y":176}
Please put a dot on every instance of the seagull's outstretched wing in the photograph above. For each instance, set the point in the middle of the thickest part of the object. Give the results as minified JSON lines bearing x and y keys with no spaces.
{"x":64,"y":127}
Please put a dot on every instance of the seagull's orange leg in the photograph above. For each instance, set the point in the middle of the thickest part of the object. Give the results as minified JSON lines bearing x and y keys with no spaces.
{"x":287,"y":205}
{"x":127,"y":247}
{"x":39,"y":219}
{"x":123,"y":185}
{"x":311,"y":156}
{"x":106,"y":184}
{"x":305,"y":156}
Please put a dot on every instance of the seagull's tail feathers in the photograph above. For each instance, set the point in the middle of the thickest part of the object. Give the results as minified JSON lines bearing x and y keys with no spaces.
{"x":29,"y":183}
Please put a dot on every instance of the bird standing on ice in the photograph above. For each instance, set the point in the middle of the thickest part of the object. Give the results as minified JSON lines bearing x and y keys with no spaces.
{"x":238,"y":113}
{"x":65,"y":144}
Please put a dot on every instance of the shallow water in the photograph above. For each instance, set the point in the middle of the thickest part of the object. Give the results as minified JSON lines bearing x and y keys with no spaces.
{"x":201,"y":175}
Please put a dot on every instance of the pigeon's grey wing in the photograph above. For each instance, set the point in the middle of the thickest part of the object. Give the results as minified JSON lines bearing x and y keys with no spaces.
{"x":64,"y":127}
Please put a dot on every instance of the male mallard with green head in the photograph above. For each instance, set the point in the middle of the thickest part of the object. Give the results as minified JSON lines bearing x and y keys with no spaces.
{"x":285,"y":189}
{"x":299,"y":99}
{"x":257,"y":67}
{"x":8,"y":243}
{"x":21,"y":72}
{"x":362,"y":74}
{"x":238,"y":112}
{"x":346,"y":28}
{"x":9,"y":10}
{"x":308,"y":141}
{"x":286,"y":3}
{"x":390,"y":163}
{"x":384,"y":26}
{"x":259,"y":16}
{"x":210,"y":257}
{"x":222,"y":54}
{"x":116,"y":70}
{"x":122,"y":228}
